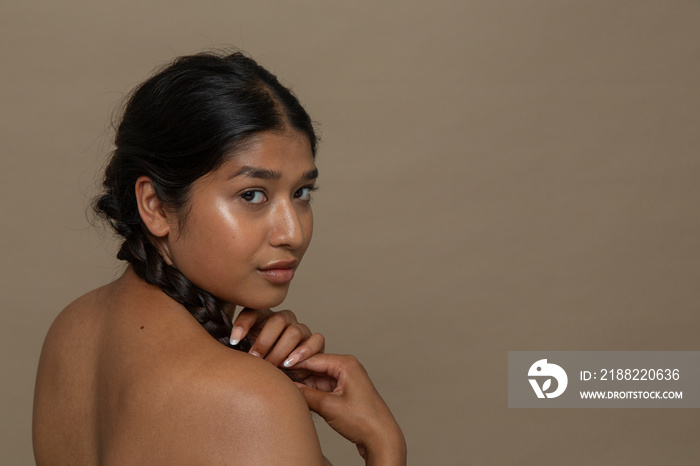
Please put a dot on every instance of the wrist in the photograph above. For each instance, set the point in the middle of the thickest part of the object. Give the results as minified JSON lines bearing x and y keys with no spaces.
{"x":387,"y":450}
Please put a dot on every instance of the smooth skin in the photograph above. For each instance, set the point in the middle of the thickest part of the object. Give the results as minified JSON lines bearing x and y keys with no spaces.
{"x":128,"y":376}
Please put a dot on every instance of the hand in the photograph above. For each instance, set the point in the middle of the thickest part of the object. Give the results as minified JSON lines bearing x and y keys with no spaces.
{"x":339,"y":389}
{"x":277,"y":336}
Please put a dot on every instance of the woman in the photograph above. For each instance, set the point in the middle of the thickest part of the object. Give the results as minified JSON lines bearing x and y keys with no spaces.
{"x":209,"y":186}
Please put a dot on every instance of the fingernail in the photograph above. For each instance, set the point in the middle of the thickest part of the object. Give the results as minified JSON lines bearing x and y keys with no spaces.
{"x":255,"y":353}
{"x":291,"y":360}
{"x":236,"y":335}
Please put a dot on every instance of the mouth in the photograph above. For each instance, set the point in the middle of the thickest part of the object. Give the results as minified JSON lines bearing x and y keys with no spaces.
{"x":279,"y":273}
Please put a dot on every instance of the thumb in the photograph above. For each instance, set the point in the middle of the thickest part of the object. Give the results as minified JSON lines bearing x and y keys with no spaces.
{"x":317,"y":400}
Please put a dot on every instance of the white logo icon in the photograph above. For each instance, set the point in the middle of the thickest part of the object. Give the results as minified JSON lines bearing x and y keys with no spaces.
{"x":542,"y":369}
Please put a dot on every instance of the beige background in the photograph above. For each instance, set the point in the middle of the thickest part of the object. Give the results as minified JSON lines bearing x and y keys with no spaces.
{"x":496,"y":175}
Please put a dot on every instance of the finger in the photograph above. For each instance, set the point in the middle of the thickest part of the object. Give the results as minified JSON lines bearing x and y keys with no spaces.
{"x":333,"y":365}
{"x":316,"y":343}
{"x":292,"y":337}
{"x":320,"y":382}
{"x":318,"y":401}
{"x":271,"y":331}
{"x":245,"y":321}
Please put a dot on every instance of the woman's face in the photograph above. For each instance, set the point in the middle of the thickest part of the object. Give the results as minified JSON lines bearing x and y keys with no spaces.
{"x":249,"y":222}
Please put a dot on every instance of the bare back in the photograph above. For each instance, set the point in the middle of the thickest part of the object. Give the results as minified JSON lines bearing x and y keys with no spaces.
{"x":127,"y":376}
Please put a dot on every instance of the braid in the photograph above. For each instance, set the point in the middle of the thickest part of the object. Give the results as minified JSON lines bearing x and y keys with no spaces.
{"x":149,"y":265}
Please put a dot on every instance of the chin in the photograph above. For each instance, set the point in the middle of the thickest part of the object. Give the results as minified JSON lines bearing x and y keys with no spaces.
{"x":265,"y":300}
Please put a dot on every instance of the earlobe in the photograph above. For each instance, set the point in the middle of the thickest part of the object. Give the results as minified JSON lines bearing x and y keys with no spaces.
{"x":151,"y":208}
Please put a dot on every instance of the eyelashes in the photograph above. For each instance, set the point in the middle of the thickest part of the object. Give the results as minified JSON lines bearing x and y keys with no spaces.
{"x":258,"y":196}
{"x":305,"y":193}
{"x":254,"y":196}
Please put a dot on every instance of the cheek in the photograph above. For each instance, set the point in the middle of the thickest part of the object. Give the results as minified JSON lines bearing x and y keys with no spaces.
{"x":232,"y":239}
{"x":208,"y":240}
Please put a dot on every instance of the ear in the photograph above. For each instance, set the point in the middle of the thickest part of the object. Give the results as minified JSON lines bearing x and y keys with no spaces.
{"x":151,"y":208}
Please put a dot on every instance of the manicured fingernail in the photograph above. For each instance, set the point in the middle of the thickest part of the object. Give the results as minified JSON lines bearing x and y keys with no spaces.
{"x":291,"y":360}
{"x":236,"y":335}
{"x":255,"y":353}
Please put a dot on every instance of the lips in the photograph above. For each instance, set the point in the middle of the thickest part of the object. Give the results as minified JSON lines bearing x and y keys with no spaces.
{"x":280,"y":272}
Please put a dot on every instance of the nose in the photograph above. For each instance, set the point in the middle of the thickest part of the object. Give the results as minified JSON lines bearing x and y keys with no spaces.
{"x":288,"y":229}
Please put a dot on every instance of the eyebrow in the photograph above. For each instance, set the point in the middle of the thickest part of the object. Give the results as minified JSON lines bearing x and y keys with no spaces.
{"x":266,"y":174}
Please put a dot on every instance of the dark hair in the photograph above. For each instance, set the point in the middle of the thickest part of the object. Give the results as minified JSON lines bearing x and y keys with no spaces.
{"x":177,"y":126}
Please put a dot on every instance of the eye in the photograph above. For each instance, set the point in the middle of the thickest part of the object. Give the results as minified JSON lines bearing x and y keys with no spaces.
{"x":304,"y":193}
{"x":254,"y":196}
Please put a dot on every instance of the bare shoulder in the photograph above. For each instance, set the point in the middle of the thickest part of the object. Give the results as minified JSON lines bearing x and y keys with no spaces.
{"x":71,"y":340}
{"x":64,"y":384}
{"x":76,"y":319}
{"x":253,"y":402}
{"x":226,"y":408}
{"x":146,"y":384}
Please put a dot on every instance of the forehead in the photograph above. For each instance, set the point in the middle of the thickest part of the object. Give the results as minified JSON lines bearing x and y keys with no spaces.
{"x":287,"y":153}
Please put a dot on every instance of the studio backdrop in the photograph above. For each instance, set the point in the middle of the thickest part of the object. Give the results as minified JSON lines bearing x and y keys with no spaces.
{"x":494,"y":176}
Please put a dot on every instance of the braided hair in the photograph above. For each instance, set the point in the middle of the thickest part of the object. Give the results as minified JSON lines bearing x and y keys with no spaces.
{"x":177,"y":126}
